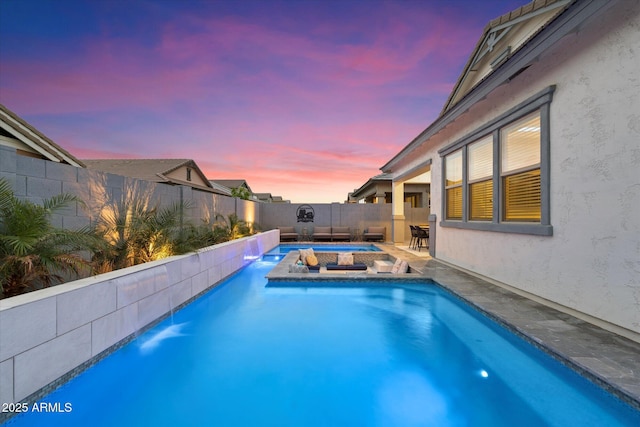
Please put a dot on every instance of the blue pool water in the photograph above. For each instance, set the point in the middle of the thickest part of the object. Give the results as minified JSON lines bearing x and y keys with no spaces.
{"x":285,"y":249}
{"x":247,"y":354}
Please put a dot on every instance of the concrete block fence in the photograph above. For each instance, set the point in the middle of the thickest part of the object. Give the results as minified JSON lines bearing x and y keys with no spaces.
{"x":46,"y":334}
{"x":37,"y":179}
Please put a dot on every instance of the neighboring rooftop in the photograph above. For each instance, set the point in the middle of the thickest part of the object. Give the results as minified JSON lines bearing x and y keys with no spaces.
{"x":169,"y":171}
{"x":17,"y":133}
{"x":232,"y":183}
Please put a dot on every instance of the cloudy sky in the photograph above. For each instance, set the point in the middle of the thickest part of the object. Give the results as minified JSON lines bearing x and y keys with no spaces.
{"x":305,"y":99}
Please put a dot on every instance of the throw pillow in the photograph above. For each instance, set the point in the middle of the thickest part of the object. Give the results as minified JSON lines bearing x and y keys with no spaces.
{"x":312,"y":260}
{"x":304,"y":253}
{"x":396,"y":266}
{"x":345,"y":259}
{"x":404,"y":267}
{"x":294,"y":268}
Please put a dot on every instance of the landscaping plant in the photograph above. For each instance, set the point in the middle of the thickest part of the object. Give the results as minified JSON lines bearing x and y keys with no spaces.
{"x":33,"y":253}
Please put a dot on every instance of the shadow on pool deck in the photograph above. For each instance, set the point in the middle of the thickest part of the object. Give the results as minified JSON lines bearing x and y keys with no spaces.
{"x":608,"y":359}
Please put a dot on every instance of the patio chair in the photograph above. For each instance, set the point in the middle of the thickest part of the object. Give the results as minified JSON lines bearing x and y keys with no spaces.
{"x":422,"y":237}
{"x":321,"y":233}
{"x":374,"y":234}
{"x":288,"y":234}
{"x":414,"y":237}
{"x":340,"y":234}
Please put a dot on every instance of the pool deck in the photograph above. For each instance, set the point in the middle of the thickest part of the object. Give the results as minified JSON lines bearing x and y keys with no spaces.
{"x":608,"y":359}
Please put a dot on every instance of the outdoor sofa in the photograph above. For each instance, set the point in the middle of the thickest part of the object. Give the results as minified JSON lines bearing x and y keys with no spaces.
{"x":374,"y":234}
{"x":334,"y":234}
{"x":357,"y":266}
{"x":288,"y":234}
{"x":340,"y":234}
{"x":321,"y":233}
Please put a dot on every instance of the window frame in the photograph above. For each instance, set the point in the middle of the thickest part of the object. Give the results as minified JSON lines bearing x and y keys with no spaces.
{"x":455,"y":186}
{"x":540,"y":102}
{"x":490,"y":140}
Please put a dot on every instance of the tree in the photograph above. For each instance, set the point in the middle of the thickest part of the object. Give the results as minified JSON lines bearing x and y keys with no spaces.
{"x":33,"y":253}
{"x":241,"y":193}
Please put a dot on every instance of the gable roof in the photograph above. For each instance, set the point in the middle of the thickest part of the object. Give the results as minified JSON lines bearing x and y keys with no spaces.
{"x":263,"y":197}
{"x":220,"y":189}
{"x":154,"y":170}
{"x":502,"y":38}
{"x":573,"y":15}
{"x":383,"y":177}
{"x":25,"y":137}
{"x":233,"y":183}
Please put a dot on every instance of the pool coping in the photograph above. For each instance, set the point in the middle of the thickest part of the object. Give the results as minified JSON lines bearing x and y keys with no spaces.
{"x":607,"y":359}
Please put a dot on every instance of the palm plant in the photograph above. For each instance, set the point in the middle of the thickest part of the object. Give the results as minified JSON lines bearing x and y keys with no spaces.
{"x":33,"y":253}
{"x":232,"y":226}
{"x":136,"y":233}
{"x":204,"y":234}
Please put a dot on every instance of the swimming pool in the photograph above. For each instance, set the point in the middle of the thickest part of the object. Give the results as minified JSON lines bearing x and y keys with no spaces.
{"x":247,"y":354}
{"x":286,"y":248}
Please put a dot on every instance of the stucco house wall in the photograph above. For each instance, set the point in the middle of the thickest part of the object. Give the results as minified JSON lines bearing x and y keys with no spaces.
{"x":591,"y":263}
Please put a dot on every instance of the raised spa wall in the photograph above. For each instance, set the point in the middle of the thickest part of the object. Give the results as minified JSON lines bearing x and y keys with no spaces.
{"x":48,"y":333}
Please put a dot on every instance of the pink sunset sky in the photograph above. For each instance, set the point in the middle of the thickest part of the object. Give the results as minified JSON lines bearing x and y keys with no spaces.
{"x":303,"y":99}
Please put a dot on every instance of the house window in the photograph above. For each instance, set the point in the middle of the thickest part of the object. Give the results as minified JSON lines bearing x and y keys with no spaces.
{"x":497,"y":177}
{"x":188,"y":174}
{"x":480,"y":173}
{"x":413,"y":200}
{"x":520,"y":170}
{"x":453,"y":185}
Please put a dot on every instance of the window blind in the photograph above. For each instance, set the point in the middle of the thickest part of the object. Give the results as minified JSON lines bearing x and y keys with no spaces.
{"x":521,"y":144}
{"x":481,"y":200}
{"x":454,"y":203}
{"x":522,"y":201}
{"x":453,"y":169}
{"x":481,"y":159}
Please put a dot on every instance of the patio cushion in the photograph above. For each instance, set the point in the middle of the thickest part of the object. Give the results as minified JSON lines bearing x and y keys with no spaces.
{"x":340,"y":233}
{"x":374,"y":233}
{"x":345,"y":258}
{"x":356,"y":266}
{"x":400,"y":267}
{"x":304,"y":253}
{"x":312,"y":260}
{"x":295,"y":268}
{"x":323,"y":233}
{"x":288,"y":233}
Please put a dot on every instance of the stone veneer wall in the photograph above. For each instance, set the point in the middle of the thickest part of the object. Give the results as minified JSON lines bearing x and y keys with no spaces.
{"x":48,"y":333}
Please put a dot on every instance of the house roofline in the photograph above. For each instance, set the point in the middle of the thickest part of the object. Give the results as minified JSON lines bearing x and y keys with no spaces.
{"x":35,"y":139}
{"x":562,"y":25}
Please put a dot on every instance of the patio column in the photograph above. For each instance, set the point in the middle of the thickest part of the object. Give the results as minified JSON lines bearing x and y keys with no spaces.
{"x":397,"y":200}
